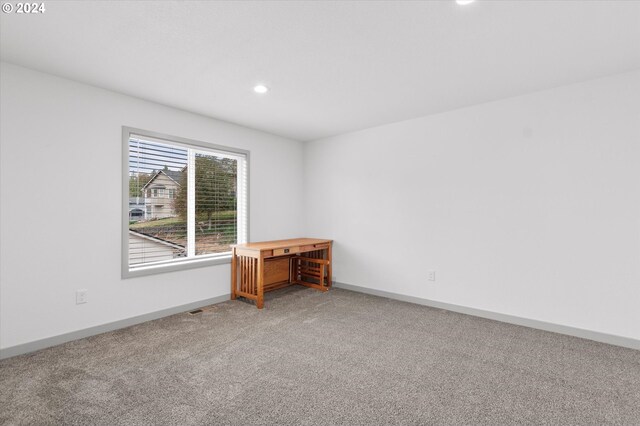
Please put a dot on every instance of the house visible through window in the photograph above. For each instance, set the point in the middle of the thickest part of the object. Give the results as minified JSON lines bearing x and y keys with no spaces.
{"x":187,"y":202}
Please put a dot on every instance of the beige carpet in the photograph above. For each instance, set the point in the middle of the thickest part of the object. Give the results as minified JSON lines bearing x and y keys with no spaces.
{"x":323,"y":358}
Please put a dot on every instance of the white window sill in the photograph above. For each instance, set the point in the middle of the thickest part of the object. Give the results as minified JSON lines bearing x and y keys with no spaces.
{"x":175,"y":265}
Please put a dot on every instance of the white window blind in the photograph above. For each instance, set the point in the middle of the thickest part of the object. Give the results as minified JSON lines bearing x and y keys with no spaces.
{"x":187,"y":202}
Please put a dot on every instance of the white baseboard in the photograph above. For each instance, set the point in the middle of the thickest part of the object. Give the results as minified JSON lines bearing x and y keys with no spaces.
{"x":611,"y":339}
{"x":99,"y":329}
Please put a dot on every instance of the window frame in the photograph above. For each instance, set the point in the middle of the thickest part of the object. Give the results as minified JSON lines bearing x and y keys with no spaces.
{"x":182,"y":264}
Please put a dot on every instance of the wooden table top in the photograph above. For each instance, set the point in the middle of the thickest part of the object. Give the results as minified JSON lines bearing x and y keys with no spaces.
{"x":270,"y":245}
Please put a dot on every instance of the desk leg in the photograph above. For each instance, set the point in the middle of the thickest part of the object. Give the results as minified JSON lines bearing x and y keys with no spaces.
{"x":329,"y":266}
{"x":234,"y":273}
{"x":260,"y":299}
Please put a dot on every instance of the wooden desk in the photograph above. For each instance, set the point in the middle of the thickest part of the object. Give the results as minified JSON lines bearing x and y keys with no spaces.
{"x":260,"y":267}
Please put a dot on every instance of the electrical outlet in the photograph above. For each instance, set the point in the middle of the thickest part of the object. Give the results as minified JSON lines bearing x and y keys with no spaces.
{"x":431,"y":275}
{"x":81,"y":296}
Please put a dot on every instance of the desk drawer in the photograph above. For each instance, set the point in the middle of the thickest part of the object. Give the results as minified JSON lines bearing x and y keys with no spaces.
{"x":288,"y":250}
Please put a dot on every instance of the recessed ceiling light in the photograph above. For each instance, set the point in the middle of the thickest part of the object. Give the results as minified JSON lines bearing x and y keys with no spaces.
{"x":261,"y":88}
{"x":464,"y":2}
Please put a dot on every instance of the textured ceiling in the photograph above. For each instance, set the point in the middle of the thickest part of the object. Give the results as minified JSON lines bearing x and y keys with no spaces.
{"x":333,"y":67}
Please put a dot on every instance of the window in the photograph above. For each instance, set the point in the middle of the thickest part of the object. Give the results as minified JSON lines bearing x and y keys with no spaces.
{"x":198,"y":205}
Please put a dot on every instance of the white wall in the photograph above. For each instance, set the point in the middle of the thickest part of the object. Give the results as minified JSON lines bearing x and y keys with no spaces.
{"x":528,"y":206}
{"x":60,"y":215}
